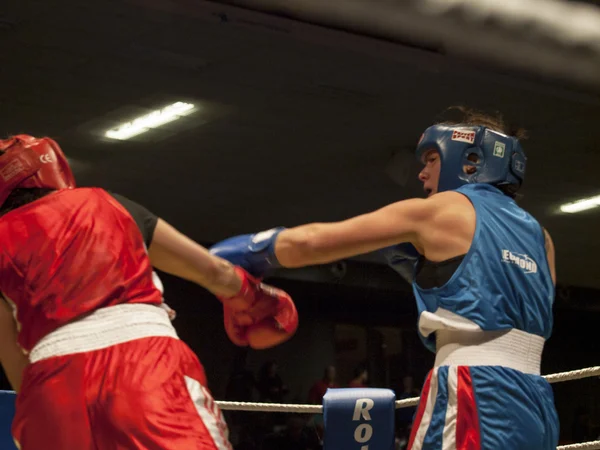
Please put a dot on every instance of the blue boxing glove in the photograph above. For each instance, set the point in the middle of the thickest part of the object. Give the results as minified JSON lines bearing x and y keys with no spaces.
{"x":402,"y":258}
{"x":253,"y":252}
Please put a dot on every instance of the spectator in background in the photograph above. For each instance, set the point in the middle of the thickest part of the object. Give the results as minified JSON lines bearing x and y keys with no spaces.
{"x":270,"y":385}
{"x":317,"y":391}
{"x":361,"y":377}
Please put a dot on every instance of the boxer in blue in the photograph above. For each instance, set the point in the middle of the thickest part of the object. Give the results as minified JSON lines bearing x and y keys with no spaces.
{"x":483,"y":275}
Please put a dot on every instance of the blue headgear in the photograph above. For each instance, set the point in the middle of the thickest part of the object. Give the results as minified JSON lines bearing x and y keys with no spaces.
{"x":501,"y":160}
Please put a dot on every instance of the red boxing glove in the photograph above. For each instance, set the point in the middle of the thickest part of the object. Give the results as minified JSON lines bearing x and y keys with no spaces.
{"x":238,"y":333}
{"x":259,"y":315}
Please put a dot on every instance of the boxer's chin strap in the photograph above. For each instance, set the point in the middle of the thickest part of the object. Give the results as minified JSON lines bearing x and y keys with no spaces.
{"x":359,"y":419}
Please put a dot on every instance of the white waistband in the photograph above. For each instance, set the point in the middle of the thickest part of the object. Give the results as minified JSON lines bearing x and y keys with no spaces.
{"x":104,"y":328}
{"x":514,"y":349}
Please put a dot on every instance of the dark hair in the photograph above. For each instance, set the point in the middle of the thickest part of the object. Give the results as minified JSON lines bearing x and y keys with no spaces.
{"x":21,"y":196}
{"x":455,"y":115}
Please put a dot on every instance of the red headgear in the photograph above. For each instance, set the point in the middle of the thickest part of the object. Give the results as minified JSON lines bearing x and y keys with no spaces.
{"x":30,"y":162}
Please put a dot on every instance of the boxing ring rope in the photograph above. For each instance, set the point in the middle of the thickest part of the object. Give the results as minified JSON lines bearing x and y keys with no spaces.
{"x":317,"y":409}
{"x":550,"y":37}
{"x":593,"y":445}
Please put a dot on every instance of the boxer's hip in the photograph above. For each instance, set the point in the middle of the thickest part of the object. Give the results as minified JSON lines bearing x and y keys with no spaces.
{"x":487,"y":408}
{"x":485,"y":392}
{"x":120,"y":373}
{"x":133,"y":346}
{"x":514,"y":349}
{"x":104,"y":328}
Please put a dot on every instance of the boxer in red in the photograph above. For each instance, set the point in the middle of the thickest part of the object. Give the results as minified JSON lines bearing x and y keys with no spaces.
{"x":85,"y":341}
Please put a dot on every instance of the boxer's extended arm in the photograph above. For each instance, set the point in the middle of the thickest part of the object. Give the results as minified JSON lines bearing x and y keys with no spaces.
{"x":12,"y":357}
{"x":428,"y":224}
{"x":176,"y":254}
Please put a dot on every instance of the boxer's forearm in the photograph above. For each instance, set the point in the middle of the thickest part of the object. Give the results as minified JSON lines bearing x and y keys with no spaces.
{"x":176,"y":254}
{"x":300,"y":246}
{"x":212,"y":273}
{"x":321,"y":243}
{"x":225,"y":282}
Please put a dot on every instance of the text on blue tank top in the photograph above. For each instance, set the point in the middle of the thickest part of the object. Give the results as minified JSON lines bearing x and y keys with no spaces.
{"x":504,"y":281}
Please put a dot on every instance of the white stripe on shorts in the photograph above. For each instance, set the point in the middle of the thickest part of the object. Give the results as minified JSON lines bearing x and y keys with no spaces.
{"x":449,"y":437}
{"x":210,"y":414}
{"x":429,"y":406}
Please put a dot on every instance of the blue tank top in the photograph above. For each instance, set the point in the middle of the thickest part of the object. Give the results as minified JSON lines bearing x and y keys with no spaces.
{"x":504,"y":280}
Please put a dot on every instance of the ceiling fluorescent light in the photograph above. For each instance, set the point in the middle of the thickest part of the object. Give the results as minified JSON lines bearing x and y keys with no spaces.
{"x":581,"y":205}
{"x":153,"y":120}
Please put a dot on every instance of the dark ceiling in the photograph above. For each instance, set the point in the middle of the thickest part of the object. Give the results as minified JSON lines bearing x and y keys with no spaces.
{"x":296,"y":123}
